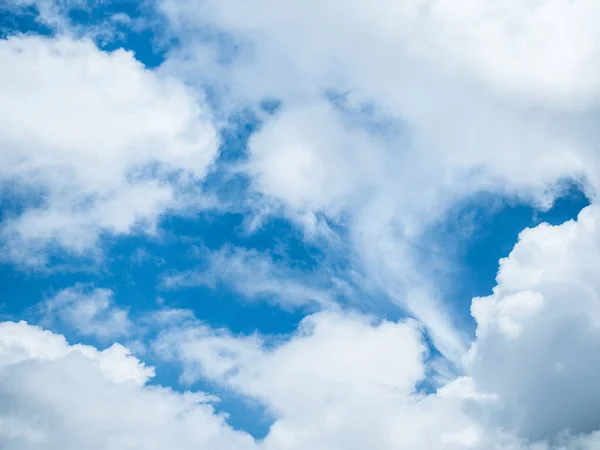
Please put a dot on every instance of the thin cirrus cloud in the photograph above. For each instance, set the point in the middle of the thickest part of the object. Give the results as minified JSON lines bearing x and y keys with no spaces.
{"x":254,"y":275}
{"x":390,"y":114}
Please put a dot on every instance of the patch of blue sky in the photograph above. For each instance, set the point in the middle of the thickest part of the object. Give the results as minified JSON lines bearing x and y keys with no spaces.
{"x":132,"y":25}
{"x":21,"y":20}
{"x":484,"y":229}
{"x":134,"y":265}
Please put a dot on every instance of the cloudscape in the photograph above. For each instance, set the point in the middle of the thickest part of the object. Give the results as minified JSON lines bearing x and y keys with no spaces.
{"x":292,"y":225}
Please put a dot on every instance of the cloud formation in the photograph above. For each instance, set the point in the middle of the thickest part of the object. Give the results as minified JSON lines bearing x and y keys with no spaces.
{"x":89,"y":311}
{"x":393,"y":112}
{"x":57,"y":396}
{"x":538,"y":333}
{"x":389,"y":114}
{"x":96,"y":142}
{"x":342,"y":380}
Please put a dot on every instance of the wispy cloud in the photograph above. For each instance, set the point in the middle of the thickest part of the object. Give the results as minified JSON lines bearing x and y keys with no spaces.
{"x":256,"y":275}
{"x":90,"y":311}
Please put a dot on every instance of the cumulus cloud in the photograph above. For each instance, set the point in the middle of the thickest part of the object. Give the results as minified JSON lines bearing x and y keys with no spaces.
{"x":341,"y":381}
{"x":23,"y":343}
{"x":326,"y":393}
{"x":58,"y":396}
{"x":392,"y":112}
{"x":538,"y":333}
{"x":95,"y":142}
{"x":350,"y":381}
{"x":528,"y":377}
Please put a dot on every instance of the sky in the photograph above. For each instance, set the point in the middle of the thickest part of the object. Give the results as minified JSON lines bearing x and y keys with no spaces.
{"x":285,"y":225}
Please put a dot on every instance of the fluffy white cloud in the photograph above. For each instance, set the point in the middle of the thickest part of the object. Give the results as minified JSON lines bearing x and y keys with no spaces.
{"x":57,"y":396}
{"x":529,"y":375}
{"x":538,"y":334}
{"x":97,"y":143}
{"x":438,"y":100}
{"x":306,"y":157}
{"x":325,"y":385}
{"x":342,"y":381}
{"x":22,"y":343}
{"x":346,"y":381}
{"x":329,"y":348}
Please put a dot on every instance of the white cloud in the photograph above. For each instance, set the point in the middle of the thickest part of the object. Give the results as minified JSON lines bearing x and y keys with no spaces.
{"x":256,"y":275}
{"x":343,"y":382}
{"x":327,"y":382}
{"x":473,"y":108}
{"x":479,"y":97}
{"x":328,"y":348}
{"x":91,"y":312}
{"x":21,"y":343}
{"x":538,"y":333}
{"x":528,"y":378}
{"x":314,"y":167}
{"x":534,"y":48}
{"x":56,"y":396}
{"x":105,"y":145}
{"x":340,"y":382}
{"x":346,"y":381}
{"x":57,"y":16}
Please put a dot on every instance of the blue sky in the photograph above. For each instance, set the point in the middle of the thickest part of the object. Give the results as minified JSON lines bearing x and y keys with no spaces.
{"x":327,"y":234}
